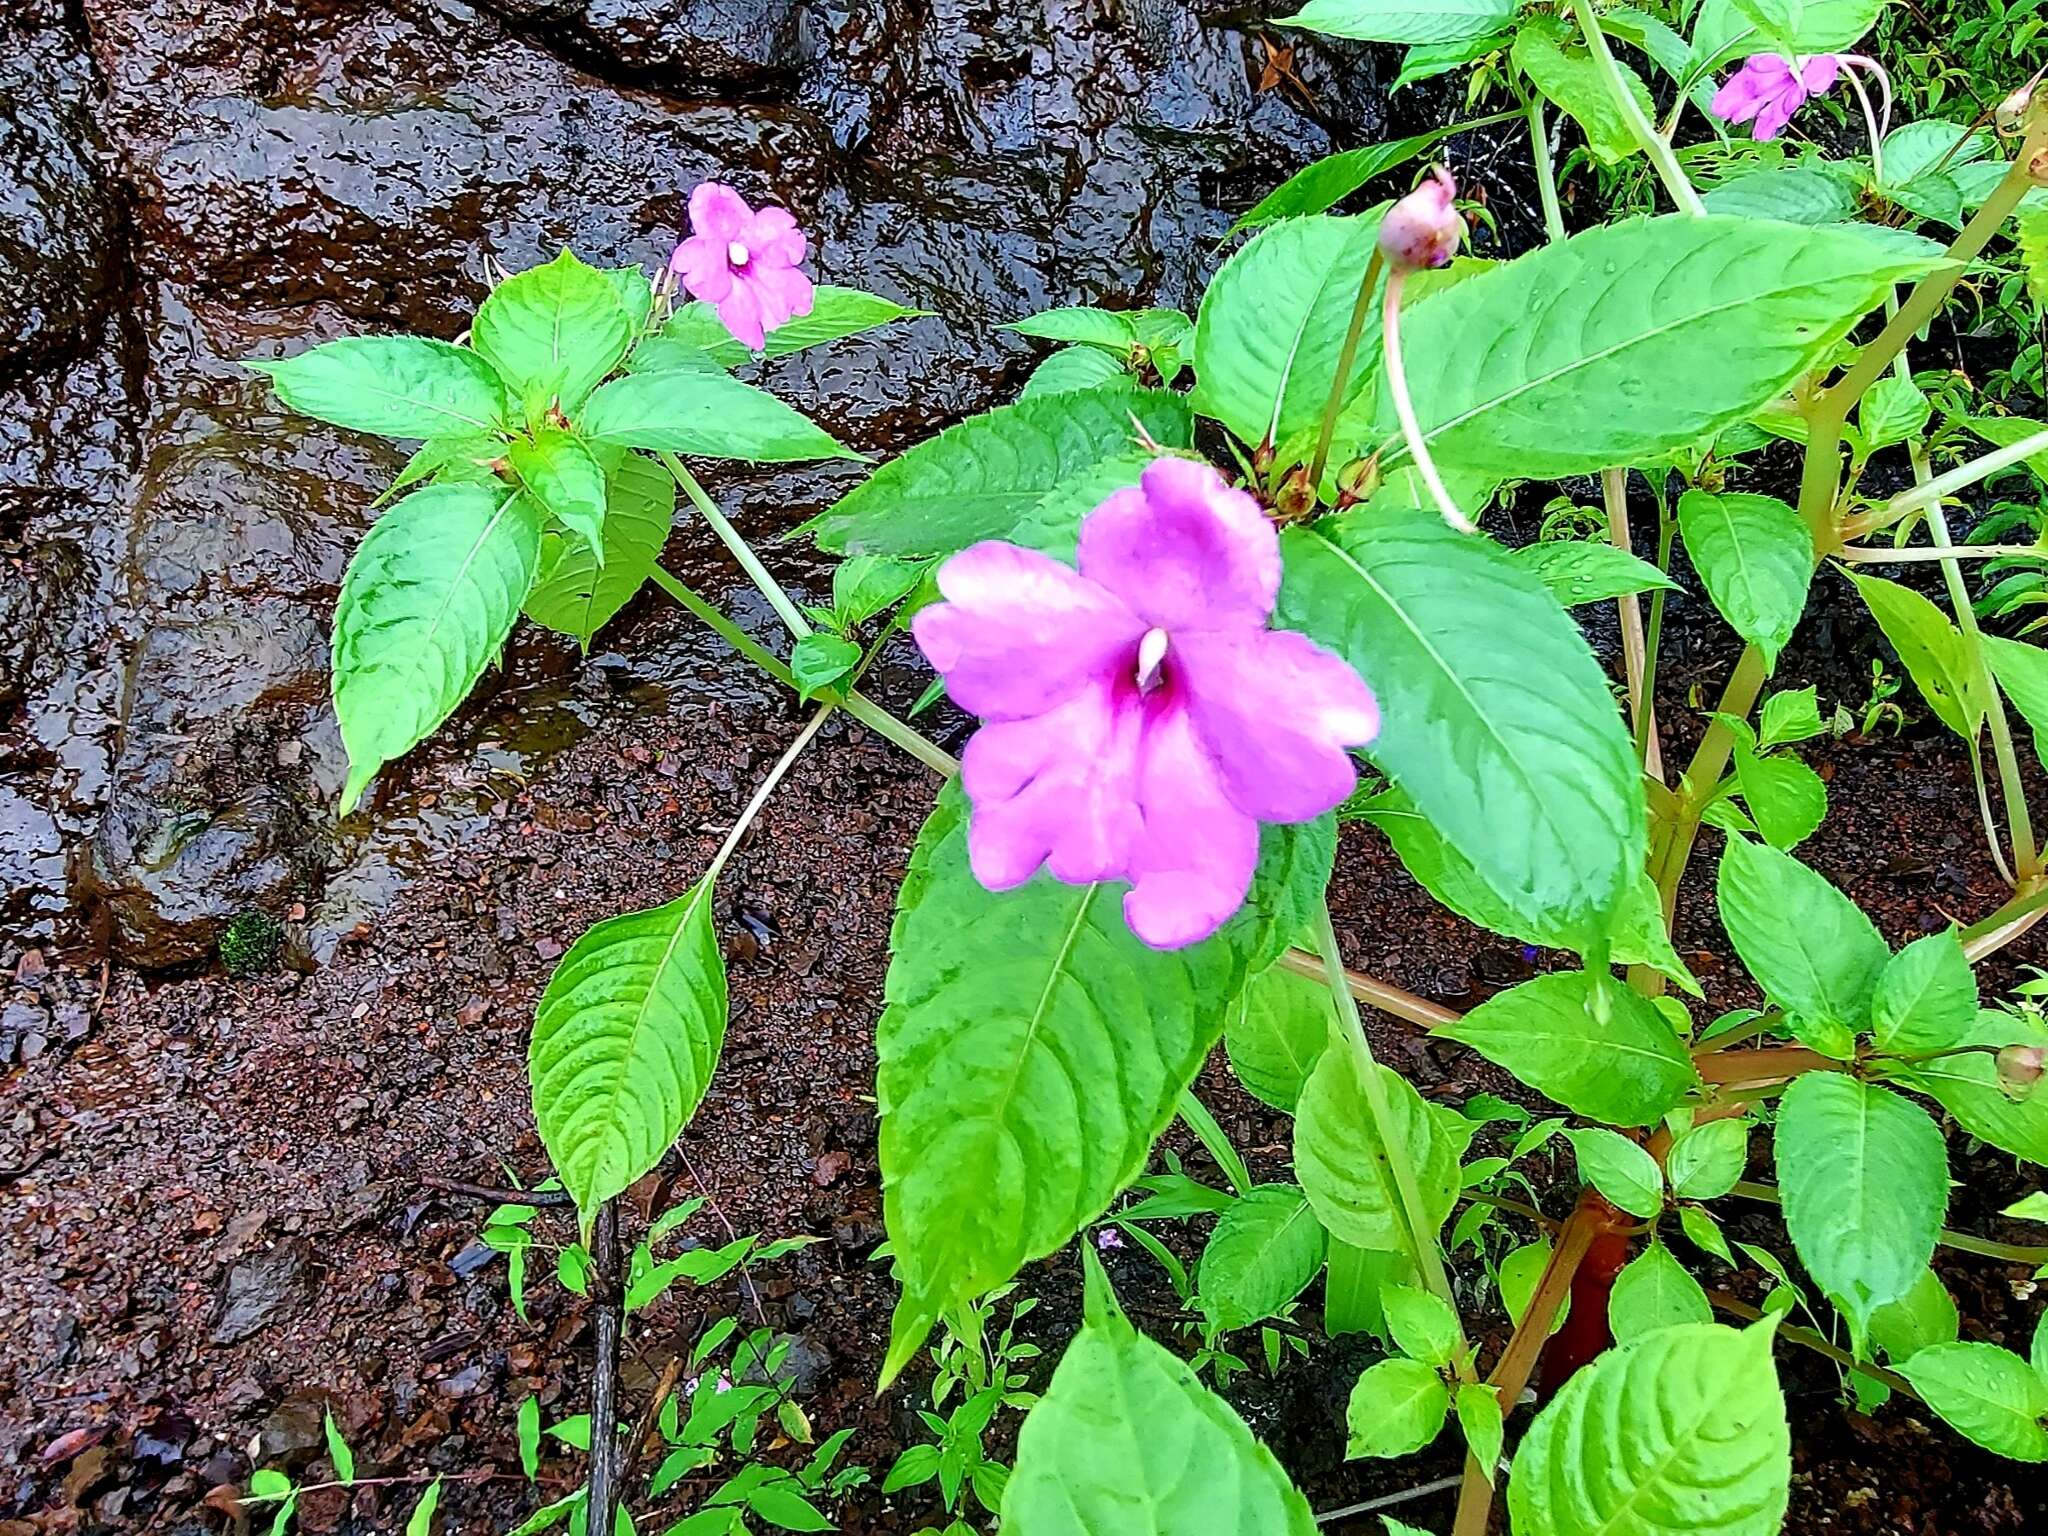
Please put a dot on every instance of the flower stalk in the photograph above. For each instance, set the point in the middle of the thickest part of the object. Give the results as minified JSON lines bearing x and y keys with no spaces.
{"x":1654,"y":144}
{"x":1404,"y":407}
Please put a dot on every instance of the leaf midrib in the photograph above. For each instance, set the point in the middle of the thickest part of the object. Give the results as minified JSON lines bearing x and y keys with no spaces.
{"x":1500,"y":742}
{"x":1600,"y":355}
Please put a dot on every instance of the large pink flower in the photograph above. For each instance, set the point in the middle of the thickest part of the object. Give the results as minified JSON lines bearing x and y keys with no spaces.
{"x":1770,"y":88}
{"x":744,"y":262}
{"x":1142,"y":720}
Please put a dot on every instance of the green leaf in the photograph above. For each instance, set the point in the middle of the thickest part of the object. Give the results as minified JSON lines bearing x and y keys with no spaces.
{"x":338,"y":1452}
{"x":1696,"y":322}
{"x":2004,"y":431}
{"x":1777,"y":19}
{"x":1580,"y":87}
{"x":1989,"y":1395}
{"x":1795,"y":194}
{"x":548,"y":1516}
{"x":1403,"y":21}
{"x":1926,"y":997}
{"x":1265,"y":1250}
{"x":2022,"y":673}
{"x":1932,"y":650}
{"x":269,"y":1483}
{"x":1621,"y":1170}
{"x":1322,"y":184}
{"x":1706,"y":1161}
{"x":2032,"y":239}
{"x":1102,"y":328}
{"x":624,"y":1042}
{"x":1791,"y":715}
{"x":422,"y":1521}
{"x":1073,"y":368}
{"x":1479,"y":1417}
{"x":1425,"y":61}
{"x":1627,"y":1068}
{"x":1721,"y":30}
{"x":1397,"y":1407}
{"x":634,"y":292}
{"x":1272,"y":325}
{"x":1892,"y":411}
{"x":835,"y":313}
{"x":1787,"y":800}
{"x":1536,"y":787}
{"x":1580,"y":571}
{"x":1704,"y":1233}
{"x":711,"y":415}
{"x":1126,"y":1442}
{"x":529,"y":1435}
{"x":2033,"y":1207}
{"x":1276,"y":1031}
{"x":1521,"y":1271}
{"x":562,"y":476}
{"x":427,"y":602}
{"x":573,"y":594}
{"x":1755,"y":557}
{"x":1864,"y":1178}
{"x":818,"y":661}
{"x":1967,"y":1087}
{"x":1678,"y":1430}
{"x":1422,"y":1324}
{"x":1924,"y":1316}
{"x":783,"y":1506}
{"x":1809,"y":948}
{"x":1655,"y":1291}
{"x":1635,"y":929}
{"x":980,"y":478}
{"x":1032,"y":1049}
{"x":559,"y":328}
{"x":1342,"y":1163}
{"x":396,"y":386}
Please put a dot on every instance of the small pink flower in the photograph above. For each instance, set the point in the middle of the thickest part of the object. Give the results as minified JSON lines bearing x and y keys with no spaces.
{"x":1142,"y":720}
{"x":1107,"y":1238}
{"x":744,"y":262}
{"x":1425,"y":227}
{"x":1770,"y":88}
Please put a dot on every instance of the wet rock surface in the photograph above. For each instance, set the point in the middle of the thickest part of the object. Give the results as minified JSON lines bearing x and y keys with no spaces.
{"x":209,"y":181}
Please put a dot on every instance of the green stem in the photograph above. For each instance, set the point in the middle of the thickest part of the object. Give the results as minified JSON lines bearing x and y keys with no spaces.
{"x":742,"y":551}
{"x":1962,"y":1242}
{"x":1334,"y":407}
{"x":1653,"y":143}
{"x":733,"y":635}
{"x":1963,"y":476}
{"x":1629,"y":610}
{"x":1667,"y":533}
{"x":1422,"y":1236}
{"x":1546,"y":173}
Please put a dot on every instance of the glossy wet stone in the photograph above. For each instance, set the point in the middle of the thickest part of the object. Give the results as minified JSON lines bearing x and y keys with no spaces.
{"x":290,"y":172}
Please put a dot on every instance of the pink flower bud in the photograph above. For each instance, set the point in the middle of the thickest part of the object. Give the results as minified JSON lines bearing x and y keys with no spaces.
{"x":2020,"y":1068}
{"x":2011,"y":115}
{"x":1424,"y":228}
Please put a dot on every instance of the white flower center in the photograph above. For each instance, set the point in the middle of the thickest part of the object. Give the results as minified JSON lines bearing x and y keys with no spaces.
{"x":737,"y":254}
{"x":1151,"y":657}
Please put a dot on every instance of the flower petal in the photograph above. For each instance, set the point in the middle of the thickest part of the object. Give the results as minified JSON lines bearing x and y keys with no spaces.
{"x":718,"y":212}
{"x":1191,"y":865}
{"x":773,"y":232}
{"x":1274,"y":711}
{"x":1184,"y":549}
{"x":740,"y":311}
{"x":701,"y":263}
{"x":782,"y":292}
{"x":1818,"y":73}
{"x":1020,"y":632}
{"x":1058,"y":789}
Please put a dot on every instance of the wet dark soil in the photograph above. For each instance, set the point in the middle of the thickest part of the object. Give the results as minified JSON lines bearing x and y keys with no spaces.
{"x":217,"y":1210}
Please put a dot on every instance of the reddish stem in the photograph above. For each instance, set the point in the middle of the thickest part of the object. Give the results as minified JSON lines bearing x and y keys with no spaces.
{"x":1585,"y":1330}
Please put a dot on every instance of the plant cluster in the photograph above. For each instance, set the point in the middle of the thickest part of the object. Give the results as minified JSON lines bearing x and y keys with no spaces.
{"x":1184,"y":616}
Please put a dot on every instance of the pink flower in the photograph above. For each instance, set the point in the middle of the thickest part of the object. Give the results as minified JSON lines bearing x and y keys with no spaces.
{"x":1142,"y":720}
{"x":1424,"y":228}
{"x":744,"y":262}
{"x":1770,"y":88}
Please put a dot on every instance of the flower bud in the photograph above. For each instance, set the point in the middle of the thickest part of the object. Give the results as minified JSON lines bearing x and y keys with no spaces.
{"x":1357,"y":480}
{"x":1424,"y":228}
{"x":2019,"y":1069}
{"x":2011,"y":115}
{"x":1296,"y":498}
